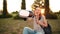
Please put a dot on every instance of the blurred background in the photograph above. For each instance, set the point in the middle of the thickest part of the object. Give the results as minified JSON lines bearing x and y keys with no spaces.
{"x":12,"y":23}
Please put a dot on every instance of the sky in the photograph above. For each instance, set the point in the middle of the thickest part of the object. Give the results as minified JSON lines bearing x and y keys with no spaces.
{"x":15,"y":5}
{"x":1,"y":4}
{"x":54,"y":5}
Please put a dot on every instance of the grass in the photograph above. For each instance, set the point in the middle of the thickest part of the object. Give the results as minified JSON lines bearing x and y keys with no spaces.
{"x":11,"y":26}
{"x":55,"y":24}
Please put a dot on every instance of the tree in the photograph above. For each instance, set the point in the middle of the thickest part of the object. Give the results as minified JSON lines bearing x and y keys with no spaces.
{"x":46,"y":7}
{"x":23,"y":6}
{"x":5,"y":13}
{"x":5,"y":7}
{"x":48,"y":13}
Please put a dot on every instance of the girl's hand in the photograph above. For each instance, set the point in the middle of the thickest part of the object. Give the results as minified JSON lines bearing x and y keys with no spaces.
{"x":37,"y":19}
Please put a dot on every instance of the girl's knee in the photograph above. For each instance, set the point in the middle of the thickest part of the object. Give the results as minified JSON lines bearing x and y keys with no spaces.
{"x":25,"y":28}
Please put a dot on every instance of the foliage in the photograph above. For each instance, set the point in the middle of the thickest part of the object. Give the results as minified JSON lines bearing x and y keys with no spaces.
{"x":6,"y":16}
{"x":57,"y":12}
{"x":51,"y":16}
{"x":18,"y":17}
{"x":15,"y":12}
{"x":58,"y":16}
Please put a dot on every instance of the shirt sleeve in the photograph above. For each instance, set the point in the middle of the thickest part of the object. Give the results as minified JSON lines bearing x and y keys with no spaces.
{"x":43,"y":19}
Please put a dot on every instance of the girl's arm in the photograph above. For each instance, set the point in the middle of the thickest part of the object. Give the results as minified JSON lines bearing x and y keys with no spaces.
{"x":44,"y":24}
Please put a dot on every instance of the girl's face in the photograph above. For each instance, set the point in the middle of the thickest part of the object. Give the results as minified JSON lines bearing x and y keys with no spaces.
{"x":37,"y":11}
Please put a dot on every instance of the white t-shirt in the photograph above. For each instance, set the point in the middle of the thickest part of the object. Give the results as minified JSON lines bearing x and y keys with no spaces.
{"x":37,"y":27}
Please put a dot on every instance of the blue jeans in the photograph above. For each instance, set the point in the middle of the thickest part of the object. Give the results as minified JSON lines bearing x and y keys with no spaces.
{"x":28,"y":30}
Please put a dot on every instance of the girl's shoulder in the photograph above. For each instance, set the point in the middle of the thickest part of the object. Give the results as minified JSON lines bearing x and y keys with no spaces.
{"x":42,"y":16}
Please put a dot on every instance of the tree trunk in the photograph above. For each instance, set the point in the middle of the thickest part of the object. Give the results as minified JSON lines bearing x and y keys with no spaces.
{"x":5,"y":7}
{"x":23,"y":6}
{"x":46,"y":6}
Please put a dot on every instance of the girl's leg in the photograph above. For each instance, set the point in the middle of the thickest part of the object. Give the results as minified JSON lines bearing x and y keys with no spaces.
{"x":28,"y":30}
{"x":40,"y":33}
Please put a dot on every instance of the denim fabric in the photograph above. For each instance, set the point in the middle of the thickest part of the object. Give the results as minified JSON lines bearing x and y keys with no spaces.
{"x":28,"y":30}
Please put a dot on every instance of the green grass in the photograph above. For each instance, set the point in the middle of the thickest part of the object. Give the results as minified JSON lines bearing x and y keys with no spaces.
{"x":11,"y":26}
{"x":55,"y":24}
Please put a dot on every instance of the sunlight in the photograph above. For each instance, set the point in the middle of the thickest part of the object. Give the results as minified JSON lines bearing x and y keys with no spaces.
{"x":55,"y":5}
{"x":13,"y":5}
{"x":1,"y":4}
{"x":29,"y":4}
{"x":42,"y":11}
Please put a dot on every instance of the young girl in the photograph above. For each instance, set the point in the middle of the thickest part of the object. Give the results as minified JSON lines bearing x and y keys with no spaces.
{"x":39,"y":20}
